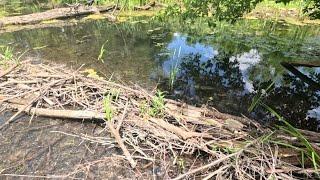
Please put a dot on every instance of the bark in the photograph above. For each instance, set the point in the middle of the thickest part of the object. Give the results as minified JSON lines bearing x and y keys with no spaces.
{"x":59,"y":13}
{"x":145,"y":7}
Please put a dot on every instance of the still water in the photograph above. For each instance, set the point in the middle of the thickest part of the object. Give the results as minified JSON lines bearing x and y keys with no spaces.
{"x":225,"y":66}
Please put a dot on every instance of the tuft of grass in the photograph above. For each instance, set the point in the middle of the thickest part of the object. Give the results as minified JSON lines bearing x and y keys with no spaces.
{"x":157,"y":105}
{"x":112,"y":96}
{"x":173,"y":76}
{"x":7,"y":56}
{"x":108,"y":110}
{"x":309,"y":151}
{"x":174,"y":70}
{"x":102,"y":51}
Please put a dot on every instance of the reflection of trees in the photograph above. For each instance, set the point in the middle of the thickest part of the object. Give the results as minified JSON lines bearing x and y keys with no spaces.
{"x":217,"y":80}
{"x":221,"y":80}
{"x":219,"y":71}
{"x":294,"y":99}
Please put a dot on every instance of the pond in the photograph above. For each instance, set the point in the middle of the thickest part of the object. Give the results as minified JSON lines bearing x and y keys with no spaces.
{"x":224,"y":66}
{"x":19,"y":7}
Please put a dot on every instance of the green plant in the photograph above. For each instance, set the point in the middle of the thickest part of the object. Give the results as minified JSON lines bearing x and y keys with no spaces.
{"x":7,"y":55}
{"x":143,"y":108}
{"x":173,"y":76}
{"x":102,"y":50}
{"x":289,"y":129}
{"x":108,"y":110}
{"x":157,"y":105}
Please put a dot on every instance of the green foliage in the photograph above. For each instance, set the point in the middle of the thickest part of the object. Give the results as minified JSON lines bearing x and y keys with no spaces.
{"x":157,"y":105}
{"x":173,"y":76}
{"x":108,"y":110}
{"x":8,"y":57}
{"x":310,"y":7}
{"x":113,"y":95}
{"x":102,"y":51}
{"x":227,"y":10}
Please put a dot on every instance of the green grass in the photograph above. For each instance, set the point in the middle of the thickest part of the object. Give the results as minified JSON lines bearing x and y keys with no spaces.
{"x":108,"y":110}
{"x":308,"y":150}
{"x":173,"y":76}
{"x":7,"y":56}
{"x":125,"y":4}
{"x":102,"y":51}
{"x":157,"y":105}
{"x":272,"y":4}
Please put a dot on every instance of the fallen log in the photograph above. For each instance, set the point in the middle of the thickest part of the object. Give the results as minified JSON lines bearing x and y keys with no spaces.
{"x":59,"y":13}
{"x":145,"y":7}
{"x":64,"y":114}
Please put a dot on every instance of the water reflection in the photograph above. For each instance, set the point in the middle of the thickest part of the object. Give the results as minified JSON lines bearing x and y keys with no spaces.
{"x":226,"y":78}
{"x":229,"y":81}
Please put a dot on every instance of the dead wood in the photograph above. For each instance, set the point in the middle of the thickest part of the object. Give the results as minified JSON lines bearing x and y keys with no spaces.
{"x":63,"y":114}
{"x":183,"y":129}
{"x":58,"y":13}
{"x":145,"y":7}
{"x":9,"y":70}
{"x":119,"y":140}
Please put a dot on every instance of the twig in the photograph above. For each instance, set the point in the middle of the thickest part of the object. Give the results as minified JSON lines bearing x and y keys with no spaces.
{"x":123,"y":116}
{"x":9,"y":70}
{"x":116,"y":135}
{"x":207,"y":166}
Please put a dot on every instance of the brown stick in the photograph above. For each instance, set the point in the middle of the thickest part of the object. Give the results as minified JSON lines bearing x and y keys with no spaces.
{"x":52,"y":14}
{"x":206,"y":166}
{"x":178,"y":131}
{"x":65,"y":114}
{"x":116,"y":135}
{"x":8,"y":70}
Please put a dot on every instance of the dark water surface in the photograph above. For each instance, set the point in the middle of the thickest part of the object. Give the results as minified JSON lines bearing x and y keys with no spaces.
{"x":225,"y":66}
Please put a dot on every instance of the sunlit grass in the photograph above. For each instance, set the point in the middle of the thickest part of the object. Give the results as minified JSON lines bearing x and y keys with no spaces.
{"x":102,"y":51}
{"x":108,"y":110}
{"x":157,"y":105}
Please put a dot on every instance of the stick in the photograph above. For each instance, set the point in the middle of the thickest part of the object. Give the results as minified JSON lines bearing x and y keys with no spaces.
{"x":178,"y":131}
{"x":64,"y":114}
{"x":206,"y":166}
{"x":123,"y":116}
{"x":9,"y":70}
{"x":116,"y":135}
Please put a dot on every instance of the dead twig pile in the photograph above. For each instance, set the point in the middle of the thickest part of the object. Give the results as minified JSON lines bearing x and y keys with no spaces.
{"x":230,"y":144}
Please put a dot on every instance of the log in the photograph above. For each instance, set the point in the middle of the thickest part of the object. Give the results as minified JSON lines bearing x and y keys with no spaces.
{"x":145,"y":7}
{"x":59,"y":13}
{"x":178,"y":131}
{"x":65,"y":114}
{"x":305,"y":64}
{"x":290,"y":67}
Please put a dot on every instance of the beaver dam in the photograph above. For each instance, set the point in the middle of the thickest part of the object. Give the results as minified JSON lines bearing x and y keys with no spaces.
{"x":107,"y":92}
{"x":85,"y":126}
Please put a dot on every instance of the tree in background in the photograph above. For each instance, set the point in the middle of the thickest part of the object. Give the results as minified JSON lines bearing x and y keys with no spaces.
{"x":311,"y":7}
{"x":230,"y":10}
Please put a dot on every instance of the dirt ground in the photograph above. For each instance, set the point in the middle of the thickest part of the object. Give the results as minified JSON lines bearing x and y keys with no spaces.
{"x":66,"y":149}
{"x":42,"y":149}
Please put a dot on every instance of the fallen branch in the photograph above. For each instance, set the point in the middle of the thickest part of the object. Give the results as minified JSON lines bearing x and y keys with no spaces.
{"x":117,"y":136}
{"x":214,"y":163}
{"x":58,"y":13}
{"x":63,"y":114}
{"x":9,"y":70}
